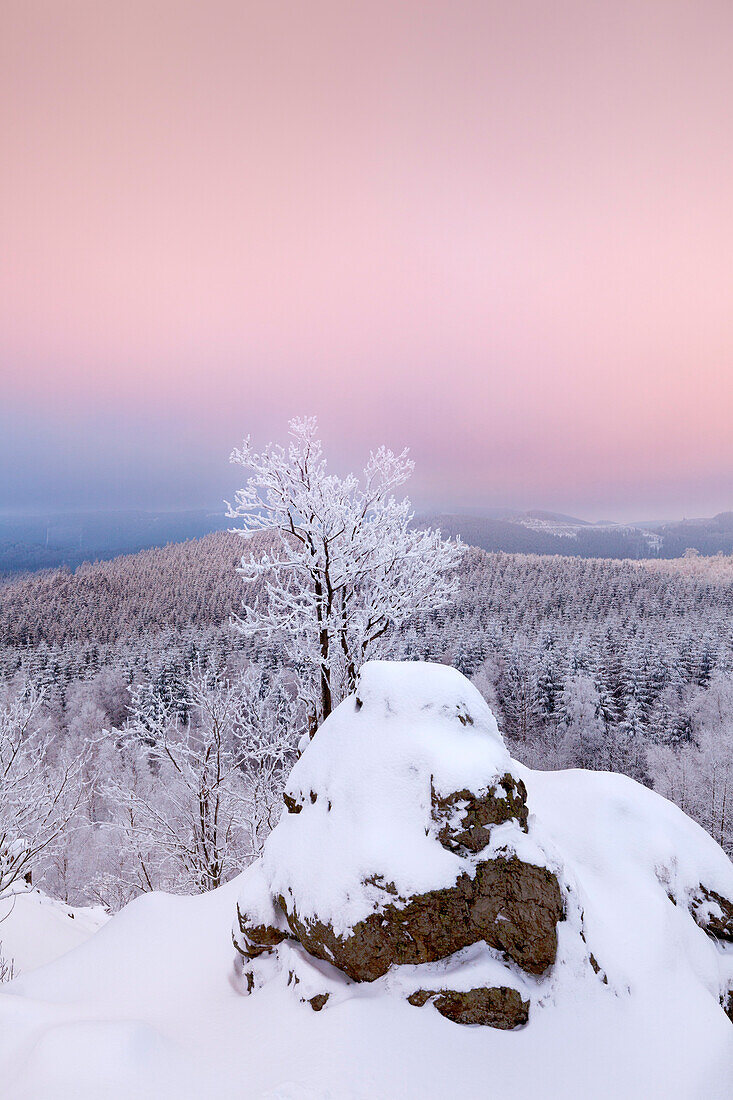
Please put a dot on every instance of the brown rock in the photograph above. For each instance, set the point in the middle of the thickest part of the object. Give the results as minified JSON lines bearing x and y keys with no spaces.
{"x":720,"y":927}
{"x":511,"y":905}
{"x":596,"y":968}
{"x":500,"y":1007}
{"x":318,"y":1001}
{"x":516,"y":908}
{"x":255,"y":939}
{"x":465,"y":819}
{"x":293,"y":806}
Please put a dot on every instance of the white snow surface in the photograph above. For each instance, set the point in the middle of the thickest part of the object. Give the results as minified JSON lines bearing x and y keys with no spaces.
{"x":35,"y":929}
{"x":152,"y":1004}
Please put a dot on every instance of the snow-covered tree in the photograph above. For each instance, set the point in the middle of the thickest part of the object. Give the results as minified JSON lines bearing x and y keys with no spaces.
{"x":518,"y":691}
{"x":341,"y":563}
{"x":198,"y":796}
{"x":712,"y":721}
{"x":38,"y":796}
{"x":581,"y":730}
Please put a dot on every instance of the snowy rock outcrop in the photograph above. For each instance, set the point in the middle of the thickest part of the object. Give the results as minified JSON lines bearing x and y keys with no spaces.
{"x":407,"y":840}
{"x":411,"y":855}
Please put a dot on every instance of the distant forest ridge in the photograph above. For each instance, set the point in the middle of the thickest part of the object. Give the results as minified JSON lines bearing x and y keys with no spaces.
{"x":194,"y":585}
{"x":30,"y":543}
{"x":540,"y":532}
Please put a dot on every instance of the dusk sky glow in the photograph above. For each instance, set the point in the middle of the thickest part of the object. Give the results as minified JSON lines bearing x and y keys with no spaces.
{"x":501,"y":233}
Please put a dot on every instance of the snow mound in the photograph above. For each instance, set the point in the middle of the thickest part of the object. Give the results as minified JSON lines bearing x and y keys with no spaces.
{"x":35,"y":929}
{"x":646,"y":878}
{"x":361,"y":796}
{"x":418,"y":689}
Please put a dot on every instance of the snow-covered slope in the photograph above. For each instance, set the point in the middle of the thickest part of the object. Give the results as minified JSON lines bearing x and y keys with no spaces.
{"x":36,"y":929}
{"x":151,"y":1006}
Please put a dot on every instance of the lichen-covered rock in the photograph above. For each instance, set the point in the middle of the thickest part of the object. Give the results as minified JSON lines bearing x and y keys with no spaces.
{"x":464,"y":819}
{"x":260,"y":925}
{"x":500,"y":1007}
{"x":508,"y":904}
{"x":254,"y":939}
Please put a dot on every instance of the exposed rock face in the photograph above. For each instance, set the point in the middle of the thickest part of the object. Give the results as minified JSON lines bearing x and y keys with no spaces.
{"x":500,"y":1007}
{"x":255,"y":939}
{"x":464,"y":819}
{"x":260,"y":925}
{"x":510,"y":905}
{"x":714,"y":914}
{"x":292,"y":806}
{"x":595,"y":966}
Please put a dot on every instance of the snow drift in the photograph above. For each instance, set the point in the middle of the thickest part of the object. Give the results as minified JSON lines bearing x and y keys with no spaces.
{"x":35,"y":929}
{"x":606,"y":972}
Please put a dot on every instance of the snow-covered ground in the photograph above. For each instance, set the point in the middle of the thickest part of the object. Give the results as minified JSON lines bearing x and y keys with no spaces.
{"x":36,"y":929}
{"x":146,"y":1008}
{"x":151,"y":1005}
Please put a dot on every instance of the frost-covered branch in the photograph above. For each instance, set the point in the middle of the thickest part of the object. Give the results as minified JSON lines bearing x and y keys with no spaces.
{"x":209,"y":788}
{"x":341,"y":562}
{"x":39,"y":796}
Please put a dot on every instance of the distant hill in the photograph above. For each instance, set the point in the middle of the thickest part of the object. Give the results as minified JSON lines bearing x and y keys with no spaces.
{"x":193,"y":583}
{"x":553,"y":517}
{"x":47,"y":541}
{"x":709,"y":536}
{"x":50,"y":541}
{"x":539,"y":532}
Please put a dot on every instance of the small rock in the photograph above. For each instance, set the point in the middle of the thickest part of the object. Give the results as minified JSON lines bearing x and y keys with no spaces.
{"x":714,"y":914}
{"x":726,"y":1002}
{"x":500,"y":1007}
{"x":255,"y":939}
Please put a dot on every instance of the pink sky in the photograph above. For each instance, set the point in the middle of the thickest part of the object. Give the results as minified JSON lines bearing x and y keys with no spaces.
{"x":499,"y":232}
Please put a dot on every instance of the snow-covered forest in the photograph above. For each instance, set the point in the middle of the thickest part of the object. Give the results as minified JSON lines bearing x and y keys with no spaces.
{"x":600,"y":664}
{"x":153,"y":705}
